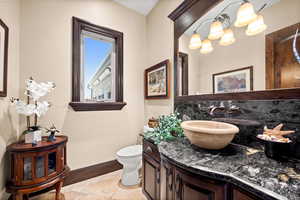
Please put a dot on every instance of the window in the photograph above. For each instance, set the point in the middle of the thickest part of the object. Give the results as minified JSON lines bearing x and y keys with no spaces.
{"x":97,"y":67}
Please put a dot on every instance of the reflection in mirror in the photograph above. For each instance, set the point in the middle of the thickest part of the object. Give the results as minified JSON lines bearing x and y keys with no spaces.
{"x":98,"y":67}
{"x":3,"y":58}
{"x":235,"y":35}
{"x":182,"y":73}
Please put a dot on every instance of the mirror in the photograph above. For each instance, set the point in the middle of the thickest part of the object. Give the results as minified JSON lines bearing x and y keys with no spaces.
{"x":260,"y":55}
{"x":3,"y":58}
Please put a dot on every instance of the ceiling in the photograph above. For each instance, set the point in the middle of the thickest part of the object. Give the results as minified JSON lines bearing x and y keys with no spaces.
{"x":141,"y":6}
{"x":230,"y":10}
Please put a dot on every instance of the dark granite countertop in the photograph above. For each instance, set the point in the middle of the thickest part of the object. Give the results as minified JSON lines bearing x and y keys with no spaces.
{"x":238,"y":165}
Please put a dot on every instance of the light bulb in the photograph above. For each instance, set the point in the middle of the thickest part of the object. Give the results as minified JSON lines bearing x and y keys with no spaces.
{"x":256,"y":26}
{"x":206,"y":47}
{"x":227,"y":38}
{"x":245,"y":15}
{"x":195,"y":41}
{"x":216,"y":30}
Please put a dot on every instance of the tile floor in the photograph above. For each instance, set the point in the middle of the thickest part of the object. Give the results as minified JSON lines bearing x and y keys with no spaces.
{"x":105,"y":187}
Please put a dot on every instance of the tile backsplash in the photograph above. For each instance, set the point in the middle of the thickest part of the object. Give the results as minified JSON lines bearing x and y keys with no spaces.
{"x":268,"y":112}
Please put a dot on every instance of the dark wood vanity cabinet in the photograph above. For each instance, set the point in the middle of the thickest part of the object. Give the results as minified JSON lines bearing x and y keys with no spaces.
{"x":240,"y":195}
{"x":191,"y":187}
{"x":178,"y":184}
{"x":165,"y":180}
{"x":151,"y":171}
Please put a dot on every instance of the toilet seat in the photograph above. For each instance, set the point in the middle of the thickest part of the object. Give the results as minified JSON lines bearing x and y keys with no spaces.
{"x":130,"y":151}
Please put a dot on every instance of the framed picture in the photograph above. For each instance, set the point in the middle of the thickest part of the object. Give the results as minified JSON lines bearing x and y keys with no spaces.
{"x":157,"y":81}
{"x":239,"y":80}
{"x":3,"y":58}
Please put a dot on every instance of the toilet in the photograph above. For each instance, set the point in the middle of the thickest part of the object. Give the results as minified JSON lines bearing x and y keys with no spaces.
{"x":131,"y":158}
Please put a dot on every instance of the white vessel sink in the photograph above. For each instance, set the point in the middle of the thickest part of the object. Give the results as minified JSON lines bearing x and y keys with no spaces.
{"x":209,"y":134}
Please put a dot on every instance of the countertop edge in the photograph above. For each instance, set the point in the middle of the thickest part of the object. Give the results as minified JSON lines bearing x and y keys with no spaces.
{"x":226,"y":176}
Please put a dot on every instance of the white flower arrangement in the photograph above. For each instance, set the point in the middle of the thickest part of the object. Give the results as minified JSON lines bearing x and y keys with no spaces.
{"x":34,"y":91}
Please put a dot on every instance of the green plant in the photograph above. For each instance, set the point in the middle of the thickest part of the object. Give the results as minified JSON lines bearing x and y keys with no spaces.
{"x":168,"y":129}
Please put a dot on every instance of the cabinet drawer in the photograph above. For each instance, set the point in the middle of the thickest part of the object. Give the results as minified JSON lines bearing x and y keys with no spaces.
{"x":151,"y":150}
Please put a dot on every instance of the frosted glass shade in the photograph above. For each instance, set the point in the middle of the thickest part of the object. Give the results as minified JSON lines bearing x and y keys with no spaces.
{"x":256,"y":26}
{"x":206,"y":47}
{"x":216,"y":31}
{"x":195,"y":41}
{"x":245,"y":15}
{"x":227,"y":38}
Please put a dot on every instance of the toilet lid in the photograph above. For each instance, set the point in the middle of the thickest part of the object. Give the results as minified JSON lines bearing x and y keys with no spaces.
{"x":129,"y":151}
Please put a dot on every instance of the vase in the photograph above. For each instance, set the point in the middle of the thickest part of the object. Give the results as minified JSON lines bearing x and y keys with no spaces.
{"x":51,"y":137}
{"x":33,"y":135}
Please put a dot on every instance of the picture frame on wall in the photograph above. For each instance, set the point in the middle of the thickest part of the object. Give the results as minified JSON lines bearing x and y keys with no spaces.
{"x":3,"y":58}
{"x":157,"y":81}
{"x":238,"y":80}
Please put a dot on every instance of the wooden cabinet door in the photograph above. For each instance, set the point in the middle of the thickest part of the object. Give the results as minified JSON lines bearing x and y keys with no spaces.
{"x":239,"y":195}
{"x":151,"y":178}
{"x":167,"y":181}
{"x":191,"y":187}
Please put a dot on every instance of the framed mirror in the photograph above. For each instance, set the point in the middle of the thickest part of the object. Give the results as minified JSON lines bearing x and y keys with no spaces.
{"x":97,"y":67}
{"x":3,"y":58}
{"x":220,"y":46}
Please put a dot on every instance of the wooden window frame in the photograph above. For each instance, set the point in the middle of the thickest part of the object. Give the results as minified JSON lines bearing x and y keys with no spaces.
{"x":80,"y":25}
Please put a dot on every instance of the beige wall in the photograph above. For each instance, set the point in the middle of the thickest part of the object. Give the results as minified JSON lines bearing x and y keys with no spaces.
{"x":247,"y":50}
{"x":9,"y":13}
{"x":159,"y":48}
{"x":94,"y":137}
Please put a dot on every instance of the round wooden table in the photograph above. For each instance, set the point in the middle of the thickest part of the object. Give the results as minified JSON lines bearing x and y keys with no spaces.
{"x":35,"y":168}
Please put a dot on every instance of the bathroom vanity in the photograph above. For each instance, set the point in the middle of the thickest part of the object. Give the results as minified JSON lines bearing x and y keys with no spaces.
{"x":178,"y":170}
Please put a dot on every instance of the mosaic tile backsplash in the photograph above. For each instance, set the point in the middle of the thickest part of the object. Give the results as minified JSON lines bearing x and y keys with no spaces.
{"x":267,"y":112}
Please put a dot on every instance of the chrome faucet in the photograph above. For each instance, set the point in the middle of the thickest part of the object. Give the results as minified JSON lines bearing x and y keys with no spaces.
{"x":231,"y":108}
{"x":213,"y":108}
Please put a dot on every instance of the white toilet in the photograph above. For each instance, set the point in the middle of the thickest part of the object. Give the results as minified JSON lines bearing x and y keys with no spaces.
{"x":131,"y":159}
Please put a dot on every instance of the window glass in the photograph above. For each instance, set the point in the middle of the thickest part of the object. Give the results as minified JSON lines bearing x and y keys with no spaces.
{"x":98,"y":68}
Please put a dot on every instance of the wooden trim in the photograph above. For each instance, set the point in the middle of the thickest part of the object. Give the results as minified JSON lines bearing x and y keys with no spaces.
{"x":5,"y":61}
{"x":78,"y":26}
{"x":235,"y":70}
{"x":185,"y":73}
{"x":159,"y":65}
{"x":184,"y":16}
{"x":85,"y":106}
{"x":181,"y":9}
{"x":252,"y":95}
{"x":89,"y":172}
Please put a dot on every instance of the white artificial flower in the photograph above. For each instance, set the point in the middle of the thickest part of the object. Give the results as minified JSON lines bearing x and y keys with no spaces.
{"x":41,"y":108}
{"x":23,"y":108}
{"x":37,"y":90}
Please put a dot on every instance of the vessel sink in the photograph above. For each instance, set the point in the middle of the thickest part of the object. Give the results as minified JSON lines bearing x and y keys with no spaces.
{"x":209,"y":134}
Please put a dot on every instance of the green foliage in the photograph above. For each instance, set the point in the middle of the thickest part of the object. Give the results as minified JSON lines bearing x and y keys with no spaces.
{"x":168,"y":129}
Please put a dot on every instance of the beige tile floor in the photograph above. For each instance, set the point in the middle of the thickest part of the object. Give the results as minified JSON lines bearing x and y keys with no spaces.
{"x":105,"y":187}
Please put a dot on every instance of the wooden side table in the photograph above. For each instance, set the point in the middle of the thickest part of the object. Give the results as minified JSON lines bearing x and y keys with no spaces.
{"x":34,"y":168}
